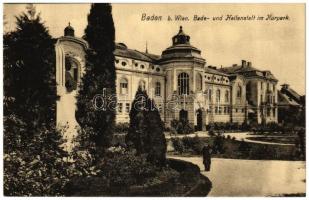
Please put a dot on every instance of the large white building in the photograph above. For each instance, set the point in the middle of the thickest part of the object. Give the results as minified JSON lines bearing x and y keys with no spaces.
{"x":179,"y":80}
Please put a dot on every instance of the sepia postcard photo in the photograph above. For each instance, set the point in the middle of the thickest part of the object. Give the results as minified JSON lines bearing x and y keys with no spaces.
{"x":154,"y":100}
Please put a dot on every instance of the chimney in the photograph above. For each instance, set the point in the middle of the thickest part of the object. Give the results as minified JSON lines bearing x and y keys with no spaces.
{"x":249,"y":64}
{"x":243,"y":63}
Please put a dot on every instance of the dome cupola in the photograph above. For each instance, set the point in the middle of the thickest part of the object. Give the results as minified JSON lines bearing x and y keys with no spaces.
{"x":181,"y":49}
{"x":69,"y":30}
{"x":181,"y":38}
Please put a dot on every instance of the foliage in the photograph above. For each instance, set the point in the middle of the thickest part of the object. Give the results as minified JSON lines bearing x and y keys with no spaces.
{"x":146,"y":129}
{"x":99,"y":74}
{"x":218,"y":144}
{"x":193,"y":143}
{"x":182,"y":126}
{"x":188,"y":144}
{"x":122,"y":127}
{"x":117,"y":173}
{"x":34,"y":162}
{"x":34,"y":166}
{"x":178,"y":145}
{"x":29,"y":68}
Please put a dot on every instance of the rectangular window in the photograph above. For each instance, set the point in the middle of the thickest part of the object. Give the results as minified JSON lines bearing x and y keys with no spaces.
{"x":120,"y":107}
{"x":236,"y":110}
{"x":274,"y":112}
{"x":127,"y":107}
{"x":220,"y":110}
{"x":216,"y":109}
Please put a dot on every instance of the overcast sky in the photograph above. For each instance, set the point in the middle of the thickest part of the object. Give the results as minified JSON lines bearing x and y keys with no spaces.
{"x":269,"y":45}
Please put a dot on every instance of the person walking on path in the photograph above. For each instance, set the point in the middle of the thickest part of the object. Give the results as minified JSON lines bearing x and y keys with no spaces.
{"x":206,"y":157}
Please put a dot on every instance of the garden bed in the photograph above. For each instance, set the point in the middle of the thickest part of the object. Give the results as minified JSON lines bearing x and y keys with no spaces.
{"x":128,"y":175}
{"x":233,"y":149}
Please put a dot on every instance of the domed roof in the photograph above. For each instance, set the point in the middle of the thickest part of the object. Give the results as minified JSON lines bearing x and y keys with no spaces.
{"x":181,"y":48}
{"x":181,"y":38}
{"x":69,"y":30}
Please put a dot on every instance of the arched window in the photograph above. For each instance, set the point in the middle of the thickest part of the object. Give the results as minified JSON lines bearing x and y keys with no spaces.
{"x":218,"y":95}
{"x":227,"y":96}
{"x":123,"y":86}
{"x":239,"y":91}
{"x":142,"y":85}
{"x":158,"y":89}
{"x":183,"y":83}
{"x":198,"y":82}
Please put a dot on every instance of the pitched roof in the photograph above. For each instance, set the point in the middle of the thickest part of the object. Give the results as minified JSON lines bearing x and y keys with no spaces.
{"x":122,"y":50}
{"x":214,"y":71}
{"x":285,"y":100}
{"x":247,"y":71}
{"x":237,"y":68}
{"x":291,"y":94}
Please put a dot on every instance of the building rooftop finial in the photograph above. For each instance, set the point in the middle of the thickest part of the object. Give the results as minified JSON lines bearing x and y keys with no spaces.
{"x":146,"y":47}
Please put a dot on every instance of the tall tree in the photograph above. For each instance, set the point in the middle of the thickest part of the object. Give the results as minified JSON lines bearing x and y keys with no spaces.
{"x":29,"y":70}
{"x":33,"y":158}
{"x":146,"y":129}
{"x":99,"y":75}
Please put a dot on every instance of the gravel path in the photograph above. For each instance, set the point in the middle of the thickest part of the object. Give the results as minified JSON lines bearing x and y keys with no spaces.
{"x":234,"y":177}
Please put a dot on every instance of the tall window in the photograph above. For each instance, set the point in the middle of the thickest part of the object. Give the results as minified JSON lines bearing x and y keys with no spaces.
{"x":218,"y":95}
{"x":227,"y":96}
{"x":239,"y":91}
{"x":142,"y":85}
{"x":199,"y":82}
{"x":123,"y":86}
{"x":183,"y":83}
{"x":209,"y":95}
{"x":158,"y":89}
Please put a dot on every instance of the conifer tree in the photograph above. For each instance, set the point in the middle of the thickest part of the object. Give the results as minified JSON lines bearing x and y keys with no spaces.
{"x":146,"y":129}
{"x":33,"y":158}
{"x":30,"y":70}
{"x":98,"y":123}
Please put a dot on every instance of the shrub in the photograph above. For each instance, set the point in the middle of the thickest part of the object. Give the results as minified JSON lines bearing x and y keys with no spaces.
{"x":182,"y":126}
{"x":178,"y":145}
{"x":218,"y":144}
{"x":122,"y":127}
{"x":244,"y":148}
{"x":193,"y":143}
{"x":117,"y":173}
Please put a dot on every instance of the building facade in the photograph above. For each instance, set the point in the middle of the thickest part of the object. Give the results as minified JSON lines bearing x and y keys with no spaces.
{"x":179,"y":80}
